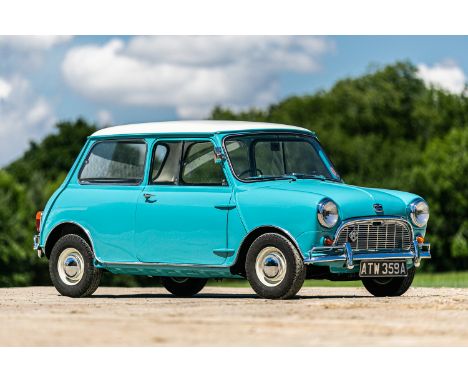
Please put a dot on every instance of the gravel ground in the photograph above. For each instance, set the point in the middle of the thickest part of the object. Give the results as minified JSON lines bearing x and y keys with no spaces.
{"x":233,"y":317}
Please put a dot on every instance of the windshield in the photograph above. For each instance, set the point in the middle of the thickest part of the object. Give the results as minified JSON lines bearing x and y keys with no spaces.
{"x":278,"y":156}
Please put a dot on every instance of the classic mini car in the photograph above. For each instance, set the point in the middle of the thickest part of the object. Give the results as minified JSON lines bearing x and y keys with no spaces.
{"x":192,"y":201}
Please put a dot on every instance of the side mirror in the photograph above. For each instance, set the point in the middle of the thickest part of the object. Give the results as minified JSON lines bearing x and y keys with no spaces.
{"x":219,"y":155}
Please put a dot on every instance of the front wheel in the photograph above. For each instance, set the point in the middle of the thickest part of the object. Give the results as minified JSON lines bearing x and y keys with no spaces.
{"x":183,"y":286}
{"x":389,"y":287}
{"x":274,"y":267}
{"x":71,"y":267}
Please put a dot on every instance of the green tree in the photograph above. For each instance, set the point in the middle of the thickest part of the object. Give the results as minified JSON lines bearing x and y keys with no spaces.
{"x":441,"y":176}
{"x":54,"y":156}
{"x":15,"y":233}
{"x":25,"y":187}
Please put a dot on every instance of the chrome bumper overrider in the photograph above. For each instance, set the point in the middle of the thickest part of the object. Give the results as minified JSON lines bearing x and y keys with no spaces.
{"x":345,"y":254}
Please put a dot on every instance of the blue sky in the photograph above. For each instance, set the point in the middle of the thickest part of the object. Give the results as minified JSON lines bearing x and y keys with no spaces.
{"x":121,"y":79}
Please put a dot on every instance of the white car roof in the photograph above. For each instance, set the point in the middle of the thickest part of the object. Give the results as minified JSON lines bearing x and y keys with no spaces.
{"x":187,"y":127}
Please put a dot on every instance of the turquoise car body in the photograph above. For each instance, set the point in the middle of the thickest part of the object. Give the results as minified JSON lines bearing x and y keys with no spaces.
{"x":199,"y":231}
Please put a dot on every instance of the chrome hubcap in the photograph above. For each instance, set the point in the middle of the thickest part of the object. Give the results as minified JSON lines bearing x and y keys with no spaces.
{"x":270,"y":266}
{"x":70,"y":266}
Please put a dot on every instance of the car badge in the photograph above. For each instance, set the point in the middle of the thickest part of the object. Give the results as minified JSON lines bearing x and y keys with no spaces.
{"x":378,"y":208}
{"x":353,"y":235}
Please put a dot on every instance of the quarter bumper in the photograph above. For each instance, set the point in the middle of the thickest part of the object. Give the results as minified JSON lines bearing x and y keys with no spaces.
{"x":345,"y":255}
{"x":37,"y":245}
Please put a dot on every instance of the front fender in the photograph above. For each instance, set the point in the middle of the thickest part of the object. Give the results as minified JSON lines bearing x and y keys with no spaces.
{"x":290,"y":211}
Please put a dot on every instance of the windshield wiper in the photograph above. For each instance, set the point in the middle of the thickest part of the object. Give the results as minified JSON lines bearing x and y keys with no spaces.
{"x":311,"y":176}
{"x":273,"y":177}
{"x":293,"y":177}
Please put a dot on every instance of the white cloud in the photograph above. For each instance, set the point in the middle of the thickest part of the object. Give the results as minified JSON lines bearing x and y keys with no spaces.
{"x":26,"y":54}
{"x":5,"y":89}
{"x":28,"y":43}
{"x":24,"y":116}
{"x":104,"y":118}
{"x":447,"y":76}
{"x":191,"y":73}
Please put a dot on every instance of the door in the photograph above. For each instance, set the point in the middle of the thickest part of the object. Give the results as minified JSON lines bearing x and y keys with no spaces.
{"x":181,"y":215}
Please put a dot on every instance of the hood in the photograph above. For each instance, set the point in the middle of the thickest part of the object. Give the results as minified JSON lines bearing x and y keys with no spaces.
{"x":352,"y":201}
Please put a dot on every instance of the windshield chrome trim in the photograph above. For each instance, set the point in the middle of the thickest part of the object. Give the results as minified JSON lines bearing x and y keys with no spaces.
{"x":228,"y":158}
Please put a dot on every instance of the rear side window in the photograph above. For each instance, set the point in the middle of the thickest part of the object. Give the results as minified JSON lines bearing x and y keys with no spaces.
{"x":121,"y":162}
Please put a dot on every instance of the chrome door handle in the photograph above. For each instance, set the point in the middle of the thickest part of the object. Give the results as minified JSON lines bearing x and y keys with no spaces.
{"x":148,"y":197}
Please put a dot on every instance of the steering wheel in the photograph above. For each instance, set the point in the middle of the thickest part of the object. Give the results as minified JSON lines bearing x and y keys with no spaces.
{"x":245,"y":172}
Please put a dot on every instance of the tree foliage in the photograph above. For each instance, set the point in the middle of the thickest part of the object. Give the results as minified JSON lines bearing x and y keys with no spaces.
{"x":15,"y":242}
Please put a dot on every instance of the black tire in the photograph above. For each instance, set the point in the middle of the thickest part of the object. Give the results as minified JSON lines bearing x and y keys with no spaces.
{"x":183,"y":287}
{"x":294,"y":275}
{"x":91,"y":277}
{"x":395,"y":286}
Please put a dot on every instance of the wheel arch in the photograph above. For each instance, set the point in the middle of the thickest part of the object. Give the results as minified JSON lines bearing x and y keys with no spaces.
{"x":62,"y":229}
{"x":238,"y":267}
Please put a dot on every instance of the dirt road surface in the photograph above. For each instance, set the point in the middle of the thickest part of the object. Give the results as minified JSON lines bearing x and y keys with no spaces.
{"x":232,"y":317}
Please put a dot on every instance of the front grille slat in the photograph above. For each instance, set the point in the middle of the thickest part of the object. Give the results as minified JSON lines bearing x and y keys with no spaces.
{"x":376,"y":235}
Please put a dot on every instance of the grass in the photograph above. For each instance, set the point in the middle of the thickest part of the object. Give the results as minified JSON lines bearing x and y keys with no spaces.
{"x":432,"y":280}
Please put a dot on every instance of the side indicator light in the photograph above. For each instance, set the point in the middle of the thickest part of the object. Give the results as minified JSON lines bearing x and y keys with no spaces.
{"x":420,"y":239}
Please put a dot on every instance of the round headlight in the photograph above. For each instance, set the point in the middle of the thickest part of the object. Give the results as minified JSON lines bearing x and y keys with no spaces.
{"x":327,"y":213}
{"x":419,"y":212}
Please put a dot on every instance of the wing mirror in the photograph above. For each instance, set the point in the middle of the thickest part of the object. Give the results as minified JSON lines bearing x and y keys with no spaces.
{"x":219,"y":155}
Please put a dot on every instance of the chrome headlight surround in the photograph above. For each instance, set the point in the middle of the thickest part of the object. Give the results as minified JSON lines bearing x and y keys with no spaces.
{"x":419,"y":212}
{"x":327,"y":213}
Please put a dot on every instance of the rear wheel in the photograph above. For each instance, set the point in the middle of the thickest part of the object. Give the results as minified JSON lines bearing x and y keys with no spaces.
{"x":274,"y":267}
{"x":71,"y":267}
{"x":389,"y":286}
{"x":183,"y":286}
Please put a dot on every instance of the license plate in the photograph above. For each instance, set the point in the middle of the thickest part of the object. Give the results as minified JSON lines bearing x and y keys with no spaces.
{"x":383,"y":268}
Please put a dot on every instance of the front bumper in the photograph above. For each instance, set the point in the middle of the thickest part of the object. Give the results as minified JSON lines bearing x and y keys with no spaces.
{"x":344,"y":254}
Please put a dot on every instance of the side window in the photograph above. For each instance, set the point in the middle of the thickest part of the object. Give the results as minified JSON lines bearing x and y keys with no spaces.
{"x":165,"y":162}
{"x":199,"y":167}
{"x":160,"y":154}
{"x":120,"y":162}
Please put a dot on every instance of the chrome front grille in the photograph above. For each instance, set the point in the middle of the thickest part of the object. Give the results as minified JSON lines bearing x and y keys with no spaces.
{"x":375,"y":235}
